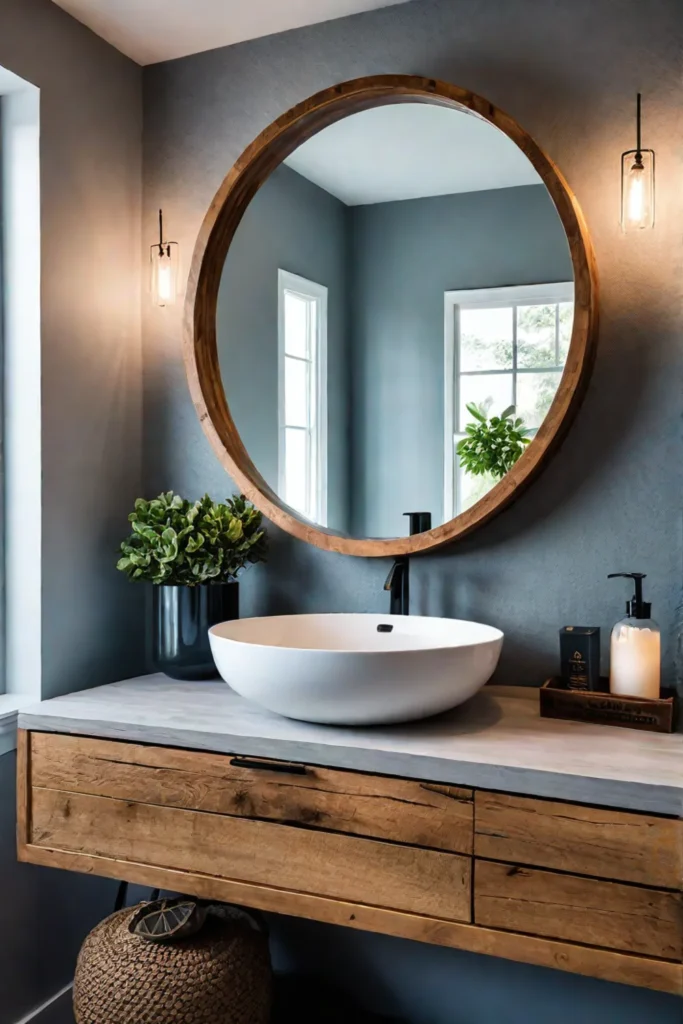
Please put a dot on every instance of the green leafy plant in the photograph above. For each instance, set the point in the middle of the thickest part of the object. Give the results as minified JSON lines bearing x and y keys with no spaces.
{"x":175,"y":541}
{"x":494,"y":444}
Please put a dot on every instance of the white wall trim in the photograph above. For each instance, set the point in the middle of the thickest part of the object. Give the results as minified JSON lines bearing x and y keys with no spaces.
{"x":34,"y":1015}
{"x":10,"y":706}
{"x":560,"y":291}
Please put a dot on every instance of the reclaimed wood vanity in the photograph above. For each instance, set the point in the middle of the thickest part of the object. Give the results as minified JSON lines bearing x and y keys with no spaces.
{"x":488,"y":829}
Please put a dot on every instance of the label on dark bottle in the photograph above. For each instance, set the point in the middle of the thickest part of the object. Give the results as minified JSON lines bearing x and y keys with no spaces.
{"x":578,"y":672}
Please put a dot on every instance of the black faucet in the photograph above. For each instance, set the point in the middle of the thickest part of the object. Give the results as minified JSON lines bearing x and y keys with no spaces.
{"x":398,"y":580}
{"x":398,"y":585}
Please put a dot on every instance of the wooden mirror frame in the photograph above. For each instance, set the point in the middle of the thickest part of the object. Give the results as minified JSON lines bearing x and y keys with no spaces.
{"x":251,"y":170}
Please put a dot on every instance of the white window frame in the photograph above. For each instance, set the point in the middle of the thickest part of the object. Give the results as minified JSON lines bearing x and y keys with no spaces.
{"x":316,"y":293}
{"x":454,"y":301}
{"x":21,"y":405}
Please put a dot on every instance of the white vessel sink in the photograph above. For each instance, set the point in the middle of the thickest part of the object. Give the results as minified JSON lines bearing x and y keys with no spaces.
{"x":349,"y":670}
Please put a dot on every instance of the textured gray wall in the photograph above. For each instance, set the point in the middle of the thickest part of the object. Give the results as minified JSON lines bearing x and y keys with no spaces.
{"x":610,"y":500}
{"x":44,"y":917}
{"x":91,"y":148}
{"x":292,"y":225}
{"x":568,"y":70}
{"x":404,"y":256}
{"x":420,"y":984}
{"x":90,"y":142}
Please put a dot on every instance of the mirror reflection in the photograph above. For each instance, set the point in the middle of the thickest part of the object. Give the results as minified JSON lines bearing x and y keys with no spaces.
{"x":394,"y":316}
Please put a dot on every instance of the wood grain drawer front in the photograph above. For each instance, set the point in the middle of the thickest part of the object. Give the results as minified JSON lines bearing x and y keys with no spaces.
{"x":582,"y":840}
{"x":584,"y":910}
{"x":262,"y":853}
{"x":401,"y":810}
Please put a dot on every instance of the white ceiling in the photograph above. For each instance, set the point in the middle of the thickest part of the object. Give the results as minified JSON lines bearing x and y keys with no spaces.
{"x":408,"y":151}
{"x":150,"y":31}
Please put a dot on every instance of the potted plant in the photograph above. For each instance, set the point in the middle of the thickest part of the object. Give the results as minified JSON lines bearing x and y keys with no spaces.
{"x":193,"y":553}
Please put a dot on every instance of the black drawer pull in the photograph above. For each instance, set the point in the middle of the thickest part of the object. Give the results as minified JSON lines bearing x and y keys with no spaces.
{"x":269,"y":766}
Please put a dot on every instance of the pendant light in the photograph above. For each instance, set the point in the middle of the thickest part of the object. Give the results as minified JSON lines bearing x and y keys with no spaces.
{"x":165,"y":269}
{"x":637,"y":184}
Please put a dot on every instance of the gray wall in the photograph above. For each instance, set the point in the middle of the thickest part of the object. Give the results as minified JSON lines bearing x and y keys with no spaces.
{"x":292,"y":225}
{"x":91,"y":128}
{"x":405,"y":255}
{"x":45,"y":916}
{"x":91,"y":131}
{"x":568,"y":70}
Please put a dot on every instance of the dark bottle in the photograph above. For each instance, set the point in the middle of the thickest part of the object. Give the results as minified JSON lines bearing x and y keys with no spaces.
{"x":580,"y":657}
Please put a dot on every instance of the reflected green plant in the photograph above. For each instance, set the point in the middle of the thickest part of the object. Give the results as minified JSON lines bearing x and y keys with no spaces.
{"x":493,"y":444}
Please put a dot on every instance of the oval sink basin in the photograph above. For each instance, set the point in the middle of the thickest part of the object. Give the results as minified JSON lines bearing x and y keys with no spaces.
{"x":355,"y":669}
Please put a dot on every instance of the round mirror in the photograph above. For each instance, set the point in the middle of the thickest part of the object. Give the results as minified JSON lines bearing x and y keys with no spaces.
{"x":391,"y":311}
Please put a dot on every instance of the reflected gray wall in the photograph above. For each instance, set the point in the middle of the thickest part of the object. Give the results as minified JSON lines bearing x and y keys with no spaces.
{"x":386,"y":266}
{"x":405,"y":255}
{"x":292,"y":225}
{"x":93,"y":628}
{"x":568,"y":72}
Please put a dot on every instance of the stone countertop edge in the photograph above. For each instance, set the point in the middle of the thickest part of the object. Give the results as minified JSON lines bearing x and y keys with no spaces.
{"x":108,"y":712}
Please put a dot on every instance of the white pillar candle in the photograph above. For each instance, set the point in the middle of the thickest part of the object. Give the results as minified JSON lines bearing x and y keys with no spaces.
{"x":635,"y":661}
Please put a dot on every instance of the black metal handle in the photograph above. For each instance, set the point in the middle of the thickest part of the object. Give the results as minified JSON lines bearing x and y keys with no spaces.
{"x":269,"y":766}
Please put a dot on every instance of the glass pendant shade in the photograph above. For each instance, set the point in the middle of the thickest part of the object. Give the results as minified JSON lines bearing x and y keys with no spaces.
{"x":637,"y":190}
{"x":165,"y":273}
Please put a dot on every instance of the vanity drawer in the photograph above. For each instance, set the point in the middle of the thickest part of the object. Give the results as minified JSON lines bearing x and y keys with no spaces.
{"x":399,"y":810}
{"x":589,"y":911}
{"x":583,"y":840}
{"x":260,"y":853}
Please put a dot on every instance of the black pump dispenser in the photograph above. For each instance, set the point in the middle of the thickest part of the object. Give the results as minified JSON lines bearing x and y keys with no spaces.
{"x":636,"y":608}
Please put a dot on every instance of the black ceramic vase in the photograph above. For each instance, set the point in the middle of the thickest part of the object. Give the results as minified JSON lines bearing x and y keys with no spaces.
{"x":182,"y":618}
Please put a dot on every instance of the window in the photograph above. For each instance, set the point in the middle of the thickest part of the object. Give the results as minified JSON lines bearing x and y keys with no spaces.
{"x":302,"y":407}
{"x":20,"y":419}
{"x":503,"y":346}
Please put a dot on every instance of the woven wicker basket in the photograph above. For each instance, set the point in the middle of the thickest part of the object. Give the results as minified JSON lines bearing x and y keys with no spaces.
{"x":221,"y":975}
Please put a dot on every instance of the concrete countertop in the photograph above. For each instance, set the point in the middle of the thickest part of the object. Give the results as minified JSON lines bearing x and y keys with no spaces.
{"x":495,"y":741}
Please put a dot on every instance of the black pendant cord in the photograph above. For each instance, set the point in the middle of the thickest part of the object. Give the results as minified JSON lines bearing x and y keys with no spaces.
{"x":161,"y":230}
{"x":639,"y":153}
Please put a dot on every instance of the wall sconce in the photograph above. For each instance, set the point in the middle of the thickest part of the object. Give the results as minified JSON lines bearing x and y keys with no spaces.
{"x":637,"y":184}
{"x":165,"y":269}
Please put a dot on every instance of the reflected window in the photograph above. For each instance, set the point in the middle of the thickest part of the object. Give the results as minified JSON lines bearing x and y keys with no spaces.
{"x":504,"y":347}
{"x":302,"y":380}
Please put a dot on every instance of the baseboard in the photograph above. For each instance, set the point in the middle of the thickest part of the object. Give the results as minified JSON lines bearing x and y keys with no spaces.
{"x":55,"y":1010}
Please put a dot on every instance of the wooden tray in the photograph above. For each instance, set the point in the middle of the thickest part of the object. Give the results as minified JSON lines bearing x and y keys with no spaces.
{"x":603,"y":708}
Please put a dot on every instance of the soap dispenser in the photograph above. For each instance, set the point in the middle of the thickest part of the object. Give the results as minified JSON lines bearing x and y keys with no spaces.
{"x":635,"y":649}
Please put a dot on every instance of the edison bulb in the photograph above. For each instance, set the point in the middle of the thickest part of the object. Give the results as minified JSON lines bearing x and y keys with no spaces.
{"x":637,"y":191}
{"x":165,"y":273}
{"x":165,"y":284}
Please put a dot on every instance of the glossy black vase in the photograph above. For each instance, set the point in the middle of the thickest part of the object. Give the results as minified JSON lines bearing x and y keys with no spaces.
{"x":182,"y":617}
